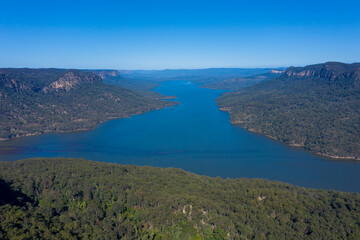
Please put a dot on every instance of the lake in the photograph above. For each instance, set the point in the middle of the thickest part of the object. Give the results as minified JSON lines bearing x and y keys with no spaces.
{"x":195,"y":136}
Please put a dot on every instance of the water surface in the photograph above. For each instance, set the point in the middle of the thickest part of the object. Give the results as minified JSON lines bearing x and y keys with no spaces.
{"x":195,"y":136}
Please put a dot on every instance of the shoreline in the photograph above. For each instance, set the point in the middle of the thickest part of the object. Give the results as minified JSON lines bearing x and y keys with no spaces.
{"x":89,"y":128}
{"x":298,"y":146}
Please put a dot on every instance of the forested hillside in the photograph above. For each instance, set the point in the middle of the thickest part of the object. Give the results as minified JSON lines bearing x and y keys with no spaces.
{"x":61,"y":198}
{"x":34,"y":101}
{"x":316,"y":107}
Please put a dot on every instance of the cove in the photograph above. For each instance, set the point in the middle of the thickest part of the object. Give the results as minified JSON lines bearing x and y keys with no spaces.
{"x":195,"y":136}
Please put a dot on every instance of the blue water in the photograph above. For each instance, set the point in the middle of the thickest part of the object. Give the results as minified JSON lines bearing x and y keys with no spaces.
{"x":195,"y":136}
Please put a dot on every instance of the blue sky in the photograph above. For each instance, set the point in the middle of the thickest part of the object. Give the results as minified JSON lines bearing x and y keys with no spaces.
{"x":137,"y":34}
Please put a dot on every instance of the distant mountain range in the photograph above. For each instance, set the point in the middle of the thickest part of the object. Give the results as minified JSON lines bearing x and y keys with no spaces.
{"x":316,"y":107}
{"x":35,"y":101}
{"x":204,"y":76}
{"x":240,"y":83}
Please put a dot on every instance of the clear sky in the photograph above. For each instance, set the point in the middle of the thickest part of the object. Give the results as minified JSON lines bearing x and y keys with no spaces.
{"x":136,"y":34}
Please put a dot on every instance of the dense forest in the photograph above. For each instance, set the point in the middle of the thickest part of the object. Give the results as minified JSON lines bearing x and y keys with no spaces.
{"x":59,"y":198}
{"x":242,"y":82}
{"x":316,"y":107}
{"x":34,"y":101}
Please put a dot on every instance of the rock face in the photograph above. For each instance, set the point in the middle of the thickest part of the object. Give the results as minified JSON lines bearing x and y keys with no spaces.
{"x":305,"y":73}
{"x":276,"y":71}
{"x":329,"y":70}
{"x":108,"y":73}
{"x":69,"y":81}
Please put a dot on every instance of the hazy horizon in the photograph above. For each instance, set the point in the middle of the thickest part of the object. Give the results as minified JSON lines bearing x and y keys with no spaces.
{"x":165,"y":69}
{"x":170,"y":69}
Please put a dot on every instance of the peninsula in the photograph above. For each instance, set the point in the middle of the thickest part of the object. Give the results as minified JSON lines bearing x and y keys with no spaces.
{"x":316,"y":107}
